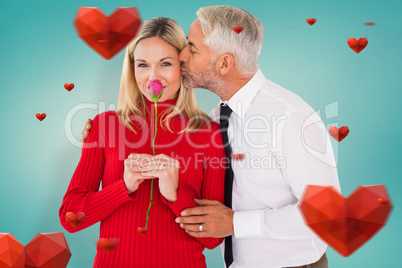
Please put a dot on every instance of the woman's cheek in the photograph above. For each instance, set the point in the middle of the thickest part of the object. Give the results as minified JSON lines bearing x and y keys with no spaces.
{"x":175,"y":76}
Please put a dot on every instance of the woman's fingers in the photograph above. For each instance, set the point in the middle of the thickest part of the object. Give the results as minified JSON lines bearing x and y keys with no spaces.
{"x":172,"y":161}
{"x":149,"y":167}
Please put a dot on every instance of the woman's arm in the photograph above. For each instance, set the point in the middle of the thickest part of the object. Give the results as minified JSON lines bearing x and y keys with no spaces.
{"x":83,"y":193}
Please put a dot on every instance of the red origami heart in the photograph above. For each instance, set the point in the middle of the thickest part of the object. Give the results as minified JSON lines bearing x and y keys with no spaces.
{"x":69,"y":87}
{"x":75,"y":220}
{"x":46,"y":250}
{"x":345,"y":223}
{"x":40,"y":116}
{"x":339,"y":134}
{"x":357,"y":45}
{"x":142,"y":230}
{"x":238,"y":29}
{"x":107,"y":244}
{"x":311,"y":21}
{"x":11,"y":252}
{"x":107,"y":35}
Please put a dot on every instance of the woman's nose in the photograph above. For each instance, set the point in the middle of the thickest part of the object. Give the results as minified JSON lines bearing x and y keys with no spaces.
{"x":154,"y":75}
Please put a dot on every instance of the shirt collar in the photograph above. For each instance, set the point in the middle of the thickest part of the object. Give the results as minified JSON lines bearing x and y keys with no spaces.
{"x":241,"y":100}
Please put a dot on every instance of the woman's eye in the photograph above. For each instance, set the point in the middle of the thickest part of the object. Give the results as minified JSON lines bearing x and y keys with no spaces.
{"x":192,"y":52}
{"x":166,"y":64}
{"x":141,"y":65}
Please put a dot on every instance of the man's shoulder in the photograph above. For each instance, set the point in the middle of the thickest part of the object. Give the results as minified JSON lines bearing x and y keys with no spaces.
{"x":275,"y":97}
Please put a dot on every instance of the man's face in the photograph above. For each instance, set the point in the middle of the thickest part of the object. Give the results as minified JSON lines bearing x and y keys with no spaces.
{"x":198,"y":62}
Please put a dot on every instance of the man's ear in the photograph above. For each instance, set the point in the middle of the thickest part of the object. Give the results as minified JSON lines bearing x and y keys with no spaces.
{"x":224,"y":63}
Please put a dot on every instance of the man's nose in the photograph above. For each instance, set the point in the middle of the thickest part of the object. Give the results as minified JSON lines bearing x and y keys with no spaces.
{"x":183,"y":55}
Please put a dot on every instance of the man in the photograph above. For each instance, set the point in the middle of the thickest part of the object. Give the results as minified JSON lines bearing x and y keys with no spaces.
{"x":274,"y":143}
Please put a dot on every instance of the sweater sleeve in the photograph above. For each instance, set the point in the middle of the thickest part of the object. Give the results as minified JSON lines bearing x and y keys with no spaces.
{"x":212,"y":186}
{"x":83,"y":193}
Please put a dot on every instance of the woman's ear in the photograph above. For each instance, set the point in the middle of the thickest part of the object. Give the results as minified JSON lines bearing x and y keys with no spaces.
{"x":224,"y":63}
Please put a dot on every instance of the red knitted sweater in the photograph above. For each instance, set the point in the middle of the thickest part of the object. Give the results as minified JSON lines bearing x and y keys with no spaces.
{"x":109,"y":143}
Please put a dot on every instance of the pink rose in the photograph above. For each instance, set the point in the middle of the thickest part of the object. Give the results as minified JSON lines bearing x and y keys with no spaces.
{"x":155,"y":90}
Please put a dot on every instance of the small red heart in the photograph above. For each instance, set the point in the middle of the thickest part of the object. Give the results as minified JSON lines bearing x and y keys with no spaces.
{"x":339,"y":134}
{"x":40,"y":116}
{"x":311,"y":21}
{"x":238,"y":157}
{"x":238,"y":29}
{"x":345,"y":223}
{"x":69,"y":87}
{"x":142,"y":230}
{"x":357,"y":45}
{"x":75,"y":220}
{"x":369,"y":23}
{"x":107,"y":245}
{"x":383,"y":201}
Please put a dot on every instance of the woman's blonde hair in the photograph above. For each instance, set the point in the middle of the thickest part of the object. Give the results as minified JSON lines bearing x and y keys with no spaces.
{"x":130,"y":97}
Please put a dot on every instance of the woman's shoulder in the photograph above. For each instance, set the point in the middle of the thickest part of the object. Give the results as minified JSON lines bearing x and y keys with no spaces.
{"x":105,"y":115}
{"x":102,"y":120}
{"x":210,"y":130}
{"x":210,"y":126}
{"x":214,"y":125}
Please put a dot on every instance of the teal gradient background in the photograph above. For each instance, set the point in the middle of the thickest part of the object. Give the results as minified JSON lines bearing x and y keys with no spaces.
{"x":41,"y":51}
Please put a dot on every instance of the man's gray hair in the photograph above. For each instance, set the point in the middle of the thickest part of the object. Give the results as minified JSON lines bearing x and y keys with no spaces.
{"x":217,"y":25}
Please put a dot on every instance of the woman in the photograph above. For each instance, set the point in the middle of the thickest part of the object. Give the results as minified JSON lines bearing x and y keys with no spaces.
{"x":189,"y":161}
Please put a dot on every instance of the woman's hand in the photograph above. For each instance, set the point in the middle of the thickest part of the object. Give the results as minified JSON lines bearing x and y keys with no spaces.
{"x":132,"y":177}
{"x":163,"y":167}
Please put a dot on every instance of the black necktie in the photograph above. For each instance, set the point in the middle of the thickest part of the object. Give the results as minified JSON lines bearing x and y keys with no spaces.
{"x":224,"y":123}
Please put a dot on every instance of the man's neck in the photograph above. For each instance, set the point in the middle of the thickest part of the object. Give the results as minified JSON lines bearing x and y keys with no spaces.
{"x":234,"y":84}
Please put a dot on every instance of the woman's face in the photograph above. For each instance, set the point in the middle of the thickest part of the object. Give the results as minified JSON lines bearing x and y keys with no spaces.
{"x":156,"y":60}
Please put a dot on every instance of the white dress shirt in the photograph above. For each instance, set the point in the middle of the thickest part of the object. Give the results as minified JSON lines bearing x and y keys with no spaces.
{"x":285,"y":147}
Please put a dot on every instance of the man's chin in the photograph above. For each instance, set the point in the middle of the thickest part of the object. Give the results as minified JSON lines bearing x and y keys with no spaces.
{"x":187,"y":81}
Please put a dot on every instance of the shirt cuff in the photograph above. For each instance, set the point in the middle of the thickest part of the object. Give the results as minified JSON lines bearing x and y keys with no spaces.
{"x":248,"y":224}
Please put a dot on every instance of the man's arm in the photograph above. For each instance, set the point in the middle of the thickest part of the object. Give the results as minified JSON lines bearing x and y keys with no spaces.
{"x":299,"y":140}
{"x":85,"y":131}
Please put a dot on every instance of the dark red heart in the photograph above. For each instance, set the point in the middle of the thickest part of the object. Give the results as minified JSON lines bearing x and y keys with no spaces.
{"x":311,"y":21}
{"x":339,"y":134}
{"x":40,"y":116}
{"x":75,"y":220}
{"x":238,"y":157}
{"x":238,"y":29}
{"x":107,"y":244}
{"x":107,"y":35}
{"x":357,"y":45}
{"x":69,"y":87}
{"x":345,"y":223}
{"x":142,"y":230}
{"x":47,"y":250}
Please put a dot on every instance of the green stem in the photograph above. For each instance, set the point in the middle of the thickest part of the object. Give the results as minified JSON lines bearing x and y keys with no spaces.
{"x":153,"y":148}
{"x":156,"y":126}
